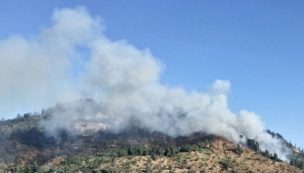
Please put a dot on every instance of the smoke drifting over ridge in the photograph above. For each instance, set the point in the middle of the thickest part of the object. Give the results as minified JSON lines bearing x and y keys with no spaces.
{"x":122,"y":80}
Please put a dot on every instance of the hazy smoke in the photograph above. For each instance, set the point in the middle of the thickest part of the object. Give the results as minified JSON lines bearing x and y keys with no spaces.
{"x":73,"y":59}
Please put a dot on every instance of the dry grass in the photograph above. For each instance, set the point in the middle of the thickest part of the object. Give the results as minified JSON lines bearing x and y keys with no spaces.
{"x":220,"y":158}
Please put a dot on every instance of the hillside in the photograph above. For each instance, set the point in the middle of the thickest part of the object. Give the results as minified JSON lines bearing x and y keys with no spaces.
{"x":25,"y":147}
{"x":220,"y":156}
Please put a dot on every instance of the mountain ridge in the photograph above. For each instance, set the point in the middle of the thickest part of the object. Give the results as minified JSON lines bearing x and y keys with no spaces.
{"x":25,"y":146}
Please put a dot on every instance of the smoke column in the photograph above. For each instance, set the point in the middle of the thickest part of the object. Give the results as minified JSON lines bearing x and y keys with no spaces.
{"x":74,"y":59}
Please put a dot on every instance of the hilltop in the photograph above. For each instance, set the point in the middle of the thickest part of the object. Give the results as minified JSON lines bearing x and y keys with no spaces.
{"x":25,"y":147}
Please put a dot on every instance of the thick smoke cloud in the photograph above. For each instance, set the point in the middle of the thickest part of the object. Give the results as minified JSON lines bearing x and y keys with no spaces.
{"x":35,"y":72}
{"x":74,"y":59}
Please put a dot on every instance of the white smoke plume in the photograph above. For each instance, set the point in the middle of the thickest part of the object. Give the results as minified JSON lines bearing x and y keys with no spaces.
{"x":74,"y":59}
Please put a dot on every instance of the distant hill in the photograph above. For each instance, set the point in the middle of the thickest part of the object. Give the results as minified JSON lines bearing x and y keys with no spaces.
{"x":25,"y":147}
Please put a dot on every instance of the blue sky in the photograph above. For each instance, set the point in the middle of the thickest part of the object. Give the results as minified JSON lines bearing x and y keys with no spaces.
{"x":256,"y":45}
